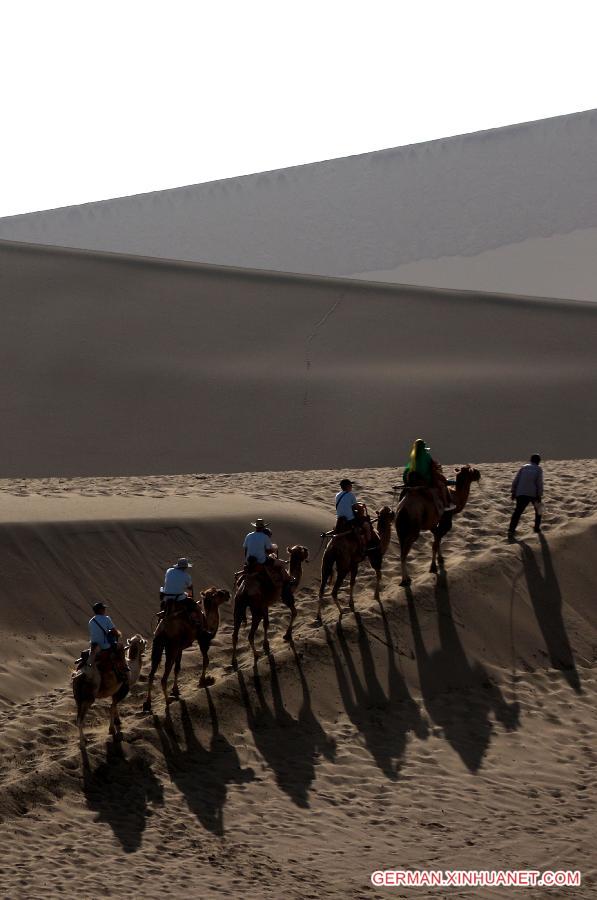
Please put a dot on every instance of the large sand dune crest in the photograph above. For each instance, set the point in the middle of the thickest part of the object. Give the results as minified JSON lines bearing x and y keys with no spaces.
{"x":453,"y":200}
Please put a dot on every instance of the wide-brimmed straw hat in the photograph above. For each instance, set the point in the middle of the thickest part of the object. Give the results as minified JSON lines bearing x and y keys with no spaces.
{"x":260,"y":523}
{"x":184,"y":563}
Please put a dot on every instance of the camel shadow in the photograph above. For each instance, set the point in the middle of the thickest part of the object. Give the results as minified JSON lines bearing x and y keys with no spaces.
{"x":201,"y":774}
{"x":546,"y":598}
{"x":383,"y":719}
{"x":459,"y":696}
{"x":290,"y":746}
{"x":120,"y":790}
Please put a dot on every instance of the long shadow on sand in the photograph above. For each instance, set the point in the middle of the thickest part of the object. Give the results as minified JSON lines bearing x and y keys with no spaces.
{"x":546,"y":598}
{"x":201,"y":774}
{"x":383,"y":719}
{"x":458,"y":695}
{"x":290,"y":746}
{"x":119,"y":791}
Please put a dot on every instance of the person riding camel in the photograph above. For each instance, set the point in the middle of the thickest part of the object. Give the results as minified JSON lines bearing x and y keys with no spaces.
{"x":260,"y":556}
{"x":104,"y":641}
{"x":176,"y":595}
{"x":177,"y":592}
{"x":351,"y":514}
{"x":422,"y":470}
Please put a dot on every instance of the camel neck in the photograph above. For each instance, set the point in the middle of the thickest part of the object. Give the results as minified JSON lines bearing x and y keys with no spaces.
{"x":134,"y":667}
{"x":461,"y":496}
{"x":296,"y":569}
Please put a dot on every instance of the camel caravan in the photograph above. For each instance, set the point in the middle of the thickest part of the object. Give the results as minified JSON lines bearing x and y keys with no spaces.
{"x":109,"y":668}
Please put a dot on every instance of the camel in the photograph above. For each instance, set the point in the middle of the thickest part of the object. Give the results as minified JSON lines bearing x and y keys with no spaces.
{"x":345,"y":552}
{"x":258,"y":592}
{"x":94,"y":684}
{"x":179,"y":633}
{"x":417,"y":512}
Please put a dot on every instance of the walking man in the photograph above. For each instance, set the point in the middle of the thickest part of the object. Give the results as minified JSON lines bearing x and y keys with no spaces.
{"x":527,"y":487}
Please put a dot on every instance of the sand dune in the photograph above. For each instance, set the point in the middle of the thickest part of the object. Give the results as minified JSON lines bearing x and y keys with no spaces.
{"x":561,"y":265}
{"x":448,"y":726}
{"x":373,"y":213}
{"x":119,"y":365}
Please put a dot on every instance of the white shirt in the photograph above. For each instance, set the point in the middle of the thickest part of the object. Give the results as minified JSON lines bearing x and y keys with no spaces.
{"x":345,"y":500}
{"x":257,"y":544}
{"x":177,"y":581}
{"x":96,"y":635}
{"x":528,"y":481}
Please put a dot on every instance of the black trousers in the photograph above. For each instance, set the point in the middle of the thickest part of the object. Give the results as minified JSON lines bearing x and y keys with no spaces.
{"x":521,"y":504}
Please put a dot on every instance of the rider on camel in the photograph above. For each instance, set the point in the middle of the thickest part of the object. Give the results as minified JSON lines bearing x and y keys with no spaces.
{"x":260,"y":555}
{"x":177,"y":592}
{"x":422,"y":470}
{"x":104,"y":642}
{"x":351,"y":514}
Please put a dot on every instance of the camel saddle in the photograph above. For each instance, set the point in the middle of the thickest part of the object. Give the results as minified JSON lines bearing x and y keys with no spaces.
{"x":105,"y":661}
{"x":362,"y":528}
{"x":190,"y":608}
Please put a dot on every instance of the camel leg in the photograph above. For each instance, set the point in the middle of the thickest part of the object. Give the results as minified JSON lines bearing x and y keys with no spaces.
{"x":353,"y":578}
{"x":288,"y":634}
{"x":164,"y":680}
{"x":435,"y":554}
{"x":115,"y":722}
{"x":338,"y":583}
{"x":240,"y":616}
{"x":406,"y":579}
{"x":82,"y":710}
{"x":256,"y":619}
{"x":147,"y":701}
{"x":156,"y":657}
{"x":377,"y":583}
{"x":205,"y":680}
{"x":177,"y":664}
{"x":327,"y":568}
{"x":265,"y":627}
{"x":405,"y":548}
{"x":319,"y":604}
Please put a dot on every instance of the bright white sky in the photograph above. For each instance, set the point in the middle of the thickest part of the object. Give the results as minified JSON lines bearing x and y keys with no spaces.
{"x":113,"y":97}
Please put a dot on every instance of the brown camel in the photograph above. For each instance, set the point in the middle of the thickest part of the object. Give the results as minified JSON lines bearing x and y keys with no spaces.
{"x":417,"y":512}
{"x":257,"y":591}
{"x":103,"y":680}
{"x":179,"y":633}
{"x":345,"y":552}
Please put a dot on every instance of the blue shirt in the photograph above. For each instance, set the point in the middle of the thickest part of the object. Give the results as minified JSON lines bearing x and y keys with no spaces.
{"x":99,"y":627}
{"x":345,"y":500}
{"x":177,"y":581}
{"x":528,"y":481}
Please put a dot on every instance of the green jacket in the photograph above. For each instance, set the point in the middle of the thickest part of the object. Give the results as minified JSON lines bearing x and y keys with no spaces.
{"x":422,"y":468}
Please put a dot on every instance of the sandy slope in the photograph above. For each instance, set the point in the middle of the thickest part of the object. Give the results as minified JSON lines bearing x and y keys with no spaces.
{"x":451,"y":726}
{"x":459,"y":197}
{"x":119,"y":365}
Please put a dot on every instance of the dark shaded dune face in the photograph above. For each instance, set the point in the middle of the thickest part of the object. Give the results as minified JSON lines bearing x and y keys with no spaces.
{"x":116,"y":365}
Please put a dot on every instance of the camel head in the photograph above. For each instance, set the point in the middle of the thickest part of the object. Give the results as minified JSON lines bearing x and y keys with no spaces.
{"x":135,"y":647}
{"x":212,"y":600}
{"x":298,"y":553}
{"x":385,"y":515}
{"x":466,"y":475}
{"x":214,"y":597}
